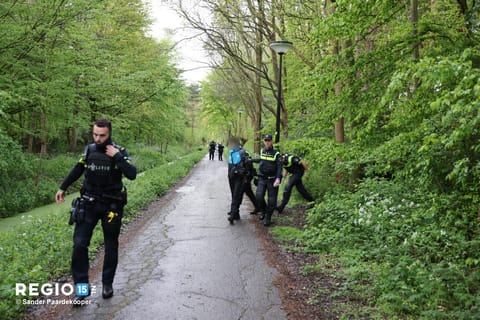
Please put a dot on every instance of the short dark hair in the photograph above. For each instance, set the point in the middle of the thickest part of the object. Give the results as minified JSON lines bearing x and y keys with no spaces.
{"x":104,"y":123}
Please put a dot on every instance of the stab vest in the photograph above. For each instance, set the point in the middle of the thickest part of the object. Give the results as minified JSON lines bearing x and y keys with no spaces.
{"x":293,"y":167}
{"x":268,"y":165}
{"x":102,"y":175}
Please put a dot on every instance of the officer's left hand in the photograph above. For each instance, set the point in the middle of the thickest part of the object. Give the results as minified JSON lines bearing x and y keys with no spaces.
{"x":276,"y":183}
{"x":111,"y":151}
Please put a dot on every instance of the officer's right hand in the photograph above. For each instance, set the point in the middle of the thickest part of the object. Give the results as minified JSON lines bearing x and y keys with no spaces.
{"x":60,"y":196}
{"x":277,"y":183}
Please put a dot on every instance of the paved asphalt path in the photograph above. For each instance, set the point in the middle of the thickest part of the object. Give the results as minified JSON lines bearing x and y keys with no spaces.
{"x":189,"y":263}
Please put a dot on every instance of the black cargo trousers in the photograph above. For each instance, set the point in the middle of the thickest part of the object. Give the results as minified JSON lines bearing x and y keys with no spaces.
{"x":237,"y":184}
{"x":110,"y":214}
{"x":265,"y":185}
{"x":295,"y":180}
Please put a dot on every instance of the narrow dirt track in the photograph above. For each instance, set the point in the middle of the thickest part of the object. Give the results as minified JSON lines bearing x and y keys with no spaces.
{"x":187,"y":262}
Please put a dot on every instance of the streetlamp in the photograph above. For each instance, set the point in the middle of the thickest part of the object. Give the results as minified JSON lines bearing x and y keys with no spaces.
{"x":239,"y":111}
{"x":281,"y":47}
{"x":230,"y":124}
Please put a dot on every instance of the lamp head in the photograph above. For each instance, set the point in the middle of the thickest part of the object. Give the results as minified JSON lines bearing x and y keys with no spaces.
{"x":281,"y":46}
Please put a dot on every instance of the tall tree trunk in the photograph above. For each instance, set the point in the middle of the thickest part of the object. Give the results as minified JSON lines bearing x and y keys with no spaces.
{"x":340,"y":125}
{"x":43,"y":133}
{"x":257,"y":126}
{"x":30,"y":143}
{"x":416,"y":44}
{"x":33,"y":122}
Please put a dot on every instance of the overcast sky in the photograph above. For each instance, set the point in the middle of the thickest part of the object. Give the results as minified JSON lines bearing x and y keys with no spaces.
{"x":167,"y":23}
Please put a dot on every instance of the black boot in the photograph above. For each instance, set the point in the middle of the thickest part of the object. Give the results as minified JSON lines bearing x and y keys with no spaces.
{"x":280,"y":208}
{"x":230,"y":219}
{"x":268,"y":220}
{"x":78,"y":301}
{"x":262,"y":216}
{"x":107,"y":292}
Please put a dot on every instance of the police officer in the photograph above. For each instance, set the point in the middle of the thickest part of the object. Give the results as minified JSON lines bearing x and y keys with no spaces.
{"x":296,"y":168}
{"x":236,"y":177}
{"x":211,"y":150}
{"x":220,"y":148}
{"x":103,"y":163}
{"x":270,"y":177}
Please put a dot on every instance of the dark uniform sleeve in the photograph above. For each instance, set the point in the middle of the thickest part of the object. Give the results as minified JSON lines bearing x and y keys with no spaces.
{"x":75,"y":173}
{"x":123,"y":160}
{"x":279,"y":167}
{"x":296,"y":160}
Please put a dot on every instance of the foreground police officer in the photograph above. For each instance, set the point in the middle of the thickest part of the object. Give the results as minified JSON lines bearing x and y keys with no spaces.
{"x":296,"y":168}
{"x":269,"y":178}
{"x":102,"y":198}
{"x":236,"y":176}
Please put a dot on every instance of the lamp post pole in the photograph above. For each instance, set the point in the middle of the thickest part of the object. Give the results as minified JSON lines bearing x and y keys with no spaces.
{"x":281,"y":47}
{"x":239,"y":111}
{"x":279,"y":99}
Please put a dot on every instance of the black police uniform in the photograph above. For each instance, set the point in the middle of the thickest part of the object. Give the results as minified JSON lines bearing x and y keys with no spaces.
{"x":211,"y":151}
{"x":293,"y":165}
{"x":247,"y":187}
{"x":236,"y":179}
{"x":220,"y":151}
{"x":102,"y":189}
{"x":270,"y":169}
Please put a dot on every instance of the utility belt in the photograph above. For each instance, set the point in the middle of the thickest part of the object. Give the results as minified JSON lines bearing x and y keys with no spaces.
{"x":87,"y":199}
{"x":267,"y":177}
{"x":119,"y":197}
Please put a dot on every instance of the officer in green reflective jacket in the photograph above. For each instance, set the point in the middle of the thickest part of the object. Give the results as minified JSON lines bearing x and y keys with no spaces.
{"x":269,"y":178}
{"x":296,"y":168}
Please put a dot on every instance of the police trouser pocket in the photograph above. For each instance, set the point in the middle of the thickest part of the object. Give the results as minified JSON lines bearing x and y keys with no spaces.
{"x":77,"y":212}
{"x":79,"y":209}
{"x":114,"y":214}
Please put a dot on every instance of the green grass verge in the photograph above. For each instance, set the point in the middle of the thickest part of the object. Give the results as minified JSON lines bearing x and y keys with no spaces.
{"x":286,"y":233}
{"x":37,"y":248}
{"x":9,"y":223}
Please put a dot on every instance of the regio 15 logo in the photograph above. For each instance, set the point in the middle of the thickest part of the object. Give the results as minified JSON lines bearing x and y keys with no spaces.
{"x":48,"y":289}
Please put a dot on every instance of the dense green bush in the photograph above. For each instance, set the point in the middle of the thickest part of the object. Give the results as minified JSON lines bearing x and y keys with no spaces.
{"x":320,"y":155}
{"x":40,"y":249}
{"x":14,"y":171}
{"x":36,"y":184}
{"x":411,"y":250}
{"x":400,"y":197}
{"x":404,"y":219}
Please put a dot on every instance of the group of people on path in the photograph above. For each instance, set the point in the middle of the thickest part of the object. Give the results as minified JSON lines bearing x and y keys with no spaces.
{"x":273,"y":169}
{"x":103,"y":195}
{"x":211,"y":150}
